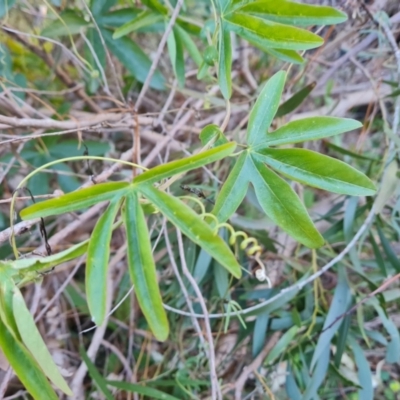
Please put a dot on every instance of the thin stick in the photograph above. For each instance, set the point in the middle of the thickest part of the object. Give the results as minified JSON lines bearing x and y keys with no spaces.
{"x":157,"y":56}
{"x":215,"y":389}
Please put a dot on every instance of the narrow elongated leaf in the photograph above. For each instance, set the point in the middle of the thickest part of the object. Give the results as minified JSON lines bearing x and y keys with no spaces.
{"x":141,"y":389}
{"x":288,"y":12}
{"x":259,"y":31}
{"x":133,"y":58}
{"x":284,"y":55}
{"x":233,"y":190}
{"x":98,"y":254}
{"x":142,"y":268}
{"x":145,"y":18}
{"x":224,"y":61}
{"x":96,"y":376}
{"x":363,"y":371}
{"x":291,"y":104}
{"x":189,"y":44}
{"x":25,"y":366}
{"x":390,"y":253}
{"x":175,"y":48}
{"x":265,"y":109}
{"x":68,"y":23}
{"x":185,"y":164}
{"x":82,"y":198}
{"x":101,"y":6}
{"x":283,"y":343}
{"x":317,"y":170}
{"x":318,"y":376}
{"x":339,"y":305}
{"x":39,"y":264}
{"x":309,"y":129}
{"x":283,"y":206}
{"x":34,"y":342}
{"x":192,"y":226}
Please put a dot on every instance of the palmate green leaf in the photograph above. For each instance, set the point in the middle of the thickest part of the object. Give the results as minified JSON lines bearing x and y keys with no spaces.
{"x":233,"y":190}
{"x":24,"y":365}
{"x":98,"y":254}
{"x":186,"y":164}
{"x":133,"y":58}
{"x":34,"y":342}
{"x":192,"y":226}
{"x":144,"y":19}
{"x":224,"y":61}
{"x":285,"y":55}
{"x":264,"y":33}
{"x":82,"y":198}
{"x":291,"y":104}
{"x":282,"y":205}
{"x":175,"y":49}
{"x":308,"y":129}
{"x":288,"y":12}
{"x":265,"y":109}
{"x":318,"y":170}
{"x":142,"y":268}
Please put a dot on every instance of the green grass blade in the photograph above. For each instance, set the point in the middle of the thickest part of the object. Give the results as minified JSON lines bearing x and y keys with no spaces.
{"x":98,"y":254}
{"x":224,"y":61}
{"x":96,"y":376}
{"x":82,"y":198}
{"x":142,"y":268}
{"x":186,"y":164}
{"x":318,"y":170}
{"x":192,"y":226}
{"x":283,"y":206}
{"x":265,"y":109}
{"x":143,"y":390}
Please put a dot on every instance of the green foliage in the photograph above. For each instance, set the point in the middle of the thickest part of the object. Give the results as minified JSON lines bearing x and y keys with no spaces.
{"x":258,"y":171}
